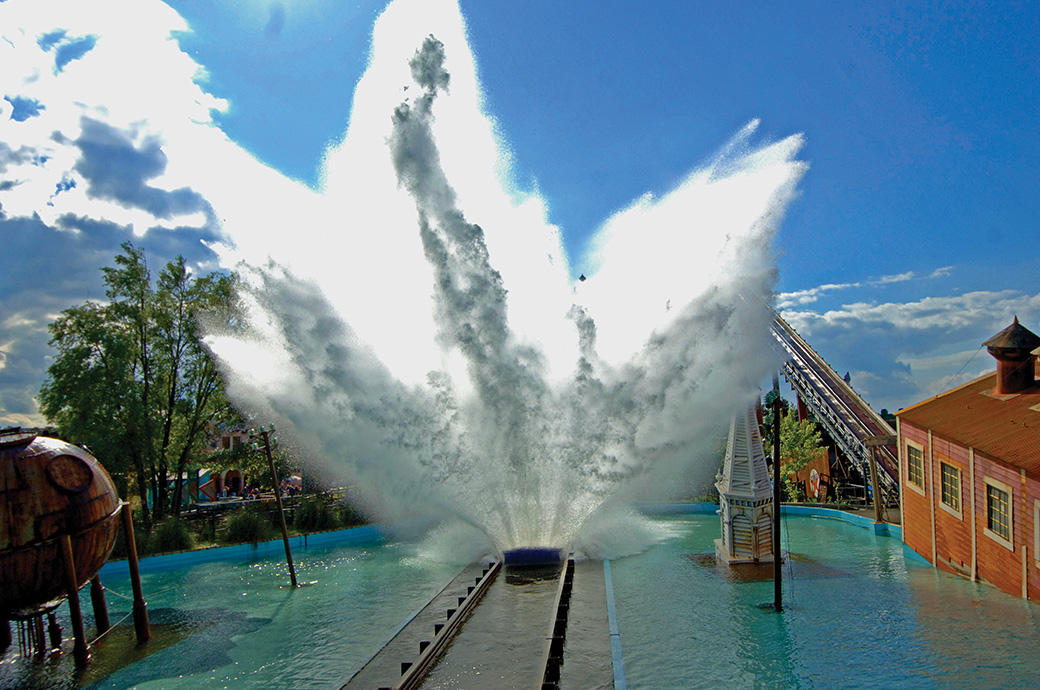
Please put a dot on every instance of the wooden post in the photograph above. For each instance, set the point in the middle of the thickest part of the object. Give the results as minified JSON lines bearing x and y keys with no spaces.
{"x":54,"y":630}
{"x":5,"y":634}
{"x":97,"y":599}
{"x":80,"y":651}
{"x":872,"y":444}
{"x":874,"y":484}
{"x":40,"y":644}
{"x":278,"y":502}
{"x":140,"y":608}
{"x":778,"y":604}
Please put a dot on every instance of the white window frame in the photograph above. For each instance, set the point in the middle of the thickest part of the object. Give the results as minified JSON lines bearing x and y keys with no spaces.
{"x":957,"y":512}
{"x":919,"y":488}
{"x":997,"y":484}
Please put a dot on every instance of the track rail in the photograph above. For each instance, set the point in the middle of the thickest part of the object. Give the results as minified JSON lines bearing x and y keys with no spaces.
{"x":552,"y":657}
{"x":413,"y":673}
{"x":849,"y":420}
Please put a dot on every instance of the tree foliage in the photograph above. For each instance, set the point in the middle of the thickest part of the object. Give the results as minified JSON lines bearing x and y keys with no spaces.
{"x":132,"y":379}
{"x":767,"y":414}
{"x":800,"y":444}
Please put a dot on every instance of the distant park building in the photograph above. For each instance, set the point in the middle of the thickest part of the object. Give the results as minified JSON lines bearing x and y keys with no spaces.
{"x":970,"y":471}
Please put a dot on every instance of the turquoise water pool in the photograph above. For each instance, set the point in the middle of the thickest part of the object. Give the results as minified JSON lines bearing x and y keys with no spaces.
{"x":861,"y":612}
{"x":226,"y":618}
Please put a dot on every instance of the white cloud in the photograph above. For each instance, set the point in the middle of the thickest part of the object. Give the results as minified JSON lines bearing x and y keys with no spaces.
{"x":956,"y":359}
{"x":905,"y":351}
{"x":117,"y":144}
{"x":951,"y":313}
{"x":800,"y":297}
{"x":897,"y":278}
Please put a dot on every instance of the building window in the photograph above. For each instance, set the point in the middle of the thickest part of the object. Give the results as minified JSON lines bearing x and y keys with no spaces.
{"x":998,"y":512}
{"x":915,"y":465}
{"x":951,"y":486}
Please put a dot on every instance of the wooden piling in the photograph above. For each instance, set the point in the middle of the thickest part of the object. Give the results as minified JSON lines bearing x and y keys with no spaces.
{"x":140,"y":608}
{"x":80,"y":650}
{"x":97,"y":600}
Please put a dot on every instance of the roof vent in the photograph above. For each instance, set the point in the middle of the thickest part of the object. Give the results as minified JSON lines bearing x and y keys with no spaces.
{"x":1012,"y":348}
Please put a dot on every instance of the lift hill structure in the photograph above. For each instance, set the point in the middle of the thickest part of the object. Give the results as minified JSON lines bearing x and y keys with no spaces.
{"x":860,"y":433}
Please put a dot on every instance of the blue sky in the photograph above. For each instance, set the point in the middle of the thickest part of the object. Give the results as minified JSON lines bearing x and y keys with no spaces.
{"x":913,"y":239}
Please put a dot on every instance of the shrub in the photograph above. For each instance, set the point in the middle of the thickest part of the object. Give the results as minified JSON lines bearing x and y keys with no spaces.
{"x":314,"y":514}
{"x":350,"y":517}
{"x":207,"y":530}
{"x":172,"y":534}
{"x":247,"y":525}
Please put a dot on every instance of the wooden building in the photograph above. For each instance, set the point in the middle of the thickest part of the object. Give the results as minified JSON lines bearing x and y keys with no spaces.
{"x":970,"y":471}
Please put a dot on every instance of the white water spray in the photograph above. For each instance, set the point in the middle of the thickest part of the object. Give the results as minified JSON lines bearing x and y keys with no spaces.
{"x":417,"y":327}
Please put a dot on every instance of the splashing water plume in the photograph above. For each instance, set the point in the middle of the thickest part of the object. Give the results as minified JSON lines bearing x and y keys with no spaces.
{"x":417,"y":325}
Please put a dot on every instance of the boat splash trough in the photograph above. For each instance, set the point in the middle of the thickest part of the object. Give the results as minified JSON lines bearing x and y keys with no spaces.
{"x":533,"y":557}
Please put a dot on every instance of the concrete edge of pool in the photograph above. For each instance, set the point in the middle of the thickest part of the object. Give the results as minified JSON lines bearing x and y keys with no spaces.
{"x":375,"y":533}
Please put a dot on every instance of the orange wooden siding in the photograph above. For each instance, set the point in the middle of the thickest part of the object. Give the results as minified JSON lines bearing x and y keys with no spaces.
{"x":995,"y":562}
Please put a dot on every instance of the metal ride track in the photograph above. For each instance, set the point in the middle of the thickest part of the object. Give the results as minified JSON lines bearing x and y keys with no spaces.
{"x":494,"y":637}
{"x":850,"y":421}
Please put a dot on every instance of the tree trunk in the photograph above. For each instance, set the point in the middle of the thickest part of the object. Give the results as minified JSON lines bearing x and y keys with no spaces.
{"x":142,"y":489}
{"x":178,"y":491}
{"x":162,"y":495}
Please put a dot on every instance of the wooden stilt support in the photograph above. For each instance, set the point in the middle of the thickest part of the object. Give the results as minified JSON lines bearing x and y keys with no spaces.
{"x":140,"y":608}
{"x":39,"y":643}
{"x":80,"y":651}
{"x":875,"y":489}
{"x":5,"y":635}
{"x":97,"y":600}
{"x":54,"y":630}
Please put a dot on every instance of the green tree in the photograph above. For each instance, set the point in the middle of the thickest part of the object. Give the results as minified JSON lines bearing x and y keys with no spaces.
{"x":132,"y":379}
{"x":767,"y":415}
{"x":253,"y":462}
{"x":800,"y":444}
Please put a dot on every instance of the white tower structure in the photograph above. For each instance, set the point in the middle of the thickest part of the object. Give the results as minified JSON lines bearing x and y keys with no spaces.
{"x":745,"y":496}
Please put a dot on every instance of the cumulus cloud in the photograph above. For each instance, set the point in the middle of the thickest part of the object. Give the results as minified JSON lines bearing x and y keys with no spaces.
{"x":800,"y":297}
{"x":901,"y":352}
{"x":105,"y":135}
{"x":117,"y":169}
{"x":897,"y":278}
{"x":796,"y":298}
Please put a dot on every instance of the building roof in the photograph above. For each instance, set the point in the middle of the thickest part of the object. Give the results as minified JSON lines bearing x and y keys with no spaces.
{"x":1014,"y":337}
{"x":745,"y":474}
{"x":1005,"y":427}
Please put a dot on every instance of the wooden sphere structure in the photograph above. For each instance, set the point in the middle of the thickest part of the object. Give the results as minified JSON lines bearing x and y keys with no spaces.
{"x":48,"y":489}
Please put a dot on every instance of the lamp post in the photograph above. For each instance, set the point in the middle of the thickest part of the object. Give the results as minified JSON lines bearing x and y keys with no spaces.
{"x":265,"y":434}
{"x":778,"y":604}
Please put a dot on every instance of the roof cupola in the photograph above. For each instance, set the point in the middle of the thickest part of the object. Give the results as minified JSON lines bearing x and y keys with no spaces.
{"x":1013,"y":349}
